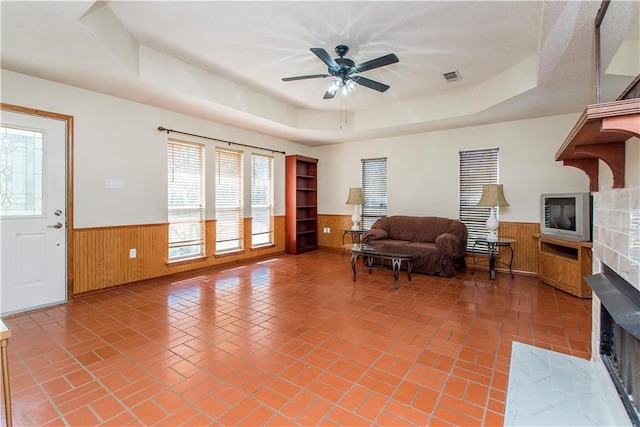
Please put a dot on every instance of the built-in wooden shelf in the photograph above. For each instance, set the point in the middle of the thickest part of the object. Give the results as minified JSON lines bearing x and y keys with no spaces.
{"x":301,"y":204}
{"x":600,"y":134}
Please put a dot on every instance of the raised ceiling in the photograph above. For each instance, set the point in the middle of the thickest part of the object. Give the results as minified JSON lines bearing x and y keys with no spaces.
{"x":224,"y":61}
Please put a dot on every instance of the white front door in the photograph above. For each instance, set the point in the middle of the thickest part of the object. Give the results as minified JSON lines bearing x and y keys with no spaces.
{"x":33,"y":244}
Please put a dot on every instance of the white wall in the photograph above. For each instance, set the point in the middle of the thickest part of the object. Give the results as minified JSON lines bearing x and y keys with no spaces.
{"x":118,"y":139}
{"x":422,"y":170}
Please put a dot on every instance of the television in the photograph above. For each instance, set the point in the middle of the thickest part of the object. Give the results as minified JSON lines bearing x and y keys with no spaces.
{"x":566,"y":216}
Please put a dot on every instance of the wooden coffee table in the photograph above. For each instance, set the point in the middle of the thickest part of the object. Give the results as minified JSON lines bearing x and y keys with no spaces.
{"x":373,"y":257}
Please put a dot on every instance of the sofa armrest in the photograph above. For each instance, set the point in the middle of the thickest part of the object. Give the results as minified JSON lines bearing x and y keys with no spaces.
{"x":450,"y":245}
{"x":374,"y":234}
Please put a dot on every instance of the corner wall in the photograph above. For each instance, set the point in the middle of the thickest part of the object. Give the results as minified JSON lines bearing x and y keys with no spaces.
{"x":118,"y":139}
{"x":422,"y":169}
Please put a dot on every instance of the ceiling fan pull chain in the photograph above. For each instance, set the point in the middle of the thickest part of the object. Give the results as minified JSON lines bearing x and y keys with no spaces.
{"x":343,"y":101}
{"x":346,"y":110}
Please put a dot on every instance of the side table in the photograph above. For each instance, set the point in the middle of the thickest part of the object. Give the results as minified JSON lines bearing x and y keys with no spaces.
{"x":5,"y":333}
{"x":356,"y":236}
{"x":492,"y":247}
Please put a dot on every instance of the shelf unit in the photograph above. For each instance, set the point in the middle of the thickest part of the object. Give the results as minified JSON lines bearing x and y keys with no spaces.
{"x":301,"y":223}
{"x":564,"y":264}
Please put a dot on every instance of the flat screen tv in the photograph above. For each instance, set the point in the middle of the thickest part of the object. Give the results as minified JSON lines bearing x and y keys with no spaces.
{"x":566,"y":216}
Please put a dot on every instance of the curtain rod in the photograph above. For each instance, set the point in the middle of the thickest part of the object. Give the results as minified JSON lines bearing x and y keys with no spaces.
{"x":162,"y":129}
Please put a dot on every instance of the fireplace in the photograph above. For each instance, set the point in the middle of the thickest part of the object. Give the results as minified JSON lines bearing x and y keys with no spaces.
{"x":616,"y":293}
{"x":620,"y":336}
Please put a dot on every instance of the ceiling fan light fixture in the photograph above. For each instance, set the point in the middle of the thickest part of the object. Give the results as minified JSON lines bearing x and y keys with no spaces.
{"x":342,"y":69}
{"x":345,"y":85}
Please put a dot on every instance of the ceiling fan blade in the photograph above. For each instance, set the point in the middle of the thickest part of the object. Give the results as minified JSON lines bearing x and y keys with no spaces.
{"x":331,"y":91}
{"x":371,"y":84}
{"x":310,"y":76}
{"x":325,"y":57}
{"x":375,"y":63}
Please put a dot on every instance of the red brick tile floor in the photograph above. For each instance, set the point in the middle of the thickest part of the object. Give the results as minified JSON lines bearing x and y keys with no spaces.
{"x":286,"y":341}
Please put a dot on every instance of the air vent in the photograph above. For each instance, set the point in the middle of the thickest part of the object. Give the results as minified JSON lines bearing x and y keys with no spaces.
{"x":452,"y":76}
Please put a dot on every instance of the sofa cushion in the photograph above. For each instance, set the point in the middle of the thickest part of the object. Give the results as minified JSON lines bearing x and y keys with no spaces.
{"x":388,"y":242}
{"x":414,"y":228}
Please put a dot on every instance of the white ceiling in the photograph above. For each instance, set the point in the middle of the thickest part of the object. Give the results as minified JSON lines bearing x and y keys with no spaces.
{"x":224,"y":61}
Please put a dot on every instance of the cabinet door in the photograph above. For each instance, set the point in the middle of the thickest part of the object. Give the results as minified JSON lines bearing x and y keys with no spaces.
{"x":559,"y":271}
{"x":567,"y":272}
{"x":546,"y":266}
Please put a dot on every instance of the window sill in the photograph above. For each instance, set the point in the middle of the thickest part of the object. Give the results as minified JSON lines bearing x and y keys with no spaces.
{"x":267,"y":246}
{"x":186,"y":261}
{"x":229,"y":253}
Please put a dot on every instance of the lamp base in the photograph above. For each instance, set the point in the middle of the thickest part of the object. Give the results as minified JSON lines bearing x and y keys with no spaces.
{"x":355,"y":218}
{"x":492,"y":226}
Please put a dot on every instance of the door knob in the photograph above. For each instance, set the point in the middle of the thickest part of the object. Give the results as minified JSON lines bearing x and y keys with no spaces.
{"x":56,"y":225}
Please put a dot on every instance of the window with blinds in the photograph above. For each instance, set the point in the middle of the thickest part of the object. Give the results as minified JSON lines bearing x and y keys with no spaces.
{"x":261,"y":200}
{"x":374,"y":188}
{"x":229,"y":200}
{"x":186,"y":200}
{"x":477,"y":167}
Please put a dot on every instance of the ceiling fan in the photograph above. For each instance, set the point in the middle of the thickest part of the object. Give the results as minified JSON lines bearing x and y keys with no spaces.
{"x":344,"y":69}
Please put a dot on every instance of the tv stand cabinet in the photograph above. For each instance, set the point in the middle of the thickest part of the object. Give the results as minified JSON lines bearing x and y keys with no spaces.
{"x":564,"y":264}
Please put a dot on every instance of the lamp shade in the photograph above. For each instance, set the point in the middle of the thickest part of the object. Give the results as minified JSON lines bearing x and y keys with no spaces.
{"x":355,"y":197}
{"x":492,"y":195}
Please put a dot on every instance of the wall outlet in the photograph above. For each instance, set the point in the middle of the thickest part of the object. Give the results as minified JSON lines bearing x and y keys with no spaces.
{"x":326,"y":230}
{"x":132,"y":253}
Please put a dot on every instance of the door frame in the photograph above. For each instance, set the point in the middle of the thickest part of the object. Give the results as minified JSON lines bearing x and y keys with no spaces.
{"x":69,"y":178}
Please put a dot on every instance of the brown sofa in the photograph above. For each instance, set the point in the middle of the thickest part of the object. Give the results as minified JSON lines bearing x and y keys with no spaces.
{"x":442,"y":241}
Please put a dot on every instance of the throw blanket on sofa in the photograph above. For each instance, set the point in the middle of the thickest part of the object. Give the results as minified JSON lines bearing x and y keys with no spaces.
{"x":441,"y":241}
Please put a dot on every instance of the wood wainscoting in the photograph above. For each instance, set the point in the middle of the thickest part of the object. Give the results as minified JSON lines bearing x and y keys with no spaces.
{"x":526,"y":253}
{"x":337,"y":224}
{"x":101,"y":254}
{"x":525,"y":259}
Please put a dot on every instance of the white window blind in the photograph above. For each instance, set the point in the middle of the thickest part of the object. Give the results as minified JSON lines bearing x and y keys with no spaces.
{"x":261,"y":200}
{"x":229,"y":200}
{"x":374,"y":188}
{"x":186,"y":200}
{"x":477,"y":167}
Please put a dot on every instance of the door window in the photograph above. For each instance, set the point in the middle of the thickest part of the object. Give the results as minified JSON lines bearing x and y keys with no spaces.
{"x":21,"y":172}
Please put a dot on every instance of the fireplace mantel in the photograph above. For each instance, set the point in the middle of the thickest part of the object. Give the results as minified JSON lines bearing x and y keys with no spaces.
{"x":600,"y":134}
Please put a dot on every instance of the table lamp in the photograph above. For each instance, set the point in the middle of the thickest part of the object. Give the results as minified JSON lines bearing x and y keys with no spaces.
{"x":492,"y":196}
{"x":356,"y":198}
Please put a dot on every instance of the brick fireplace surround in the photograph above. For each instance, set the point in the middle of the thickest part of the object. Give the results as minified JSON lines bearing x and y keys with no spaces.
{"x":616,"y":244}
{"x":616,"y":232}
